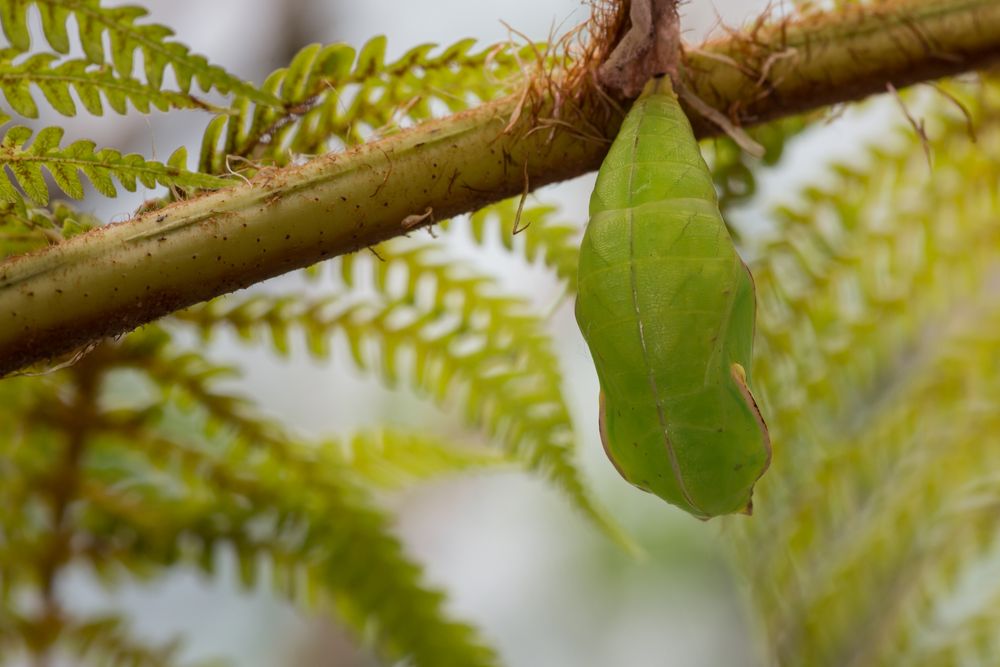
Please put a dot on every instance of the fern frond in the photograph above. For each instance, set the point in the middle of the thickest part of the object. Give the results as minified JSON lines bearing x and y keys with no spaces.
{"x":322,"y":538}
{"x":969,"y":639}
{"x":56,"y":80}
{"x":26,"y":162}
{"x":10,"y":634}
{"x":506,"y":393}
{"x":428,"y":278}
{"x":384,"y":457}
{"x":391,"y":459}
{"x":915,"y":485}
{"x":944,"y":496}
{"x":816,"y":284}
{"x":330,"y":94}
{"x":184,"y":473}
{"x":869,"y":394}
{"x":486,"y":348}
{"x":24,"y":227}
{"x":125,"y":35}
{"x":107,"y":642}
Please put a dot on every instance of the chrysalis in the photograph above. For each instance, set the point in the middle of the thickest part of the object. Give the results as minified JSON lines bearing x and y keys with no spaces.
{"x":667,"y":308}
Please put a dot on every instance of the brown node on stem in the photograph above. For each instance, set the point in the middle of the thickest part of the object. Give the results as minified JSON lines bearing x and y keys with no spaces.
{"x":649,"y":47}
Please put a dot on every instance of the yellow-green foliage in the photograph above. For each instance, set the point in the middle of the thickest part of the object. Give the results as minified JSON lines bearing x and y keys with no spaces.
{"x":26,"y":162}
{"x":126,"y":34}
{"x":24,"y":226}
{"x":877,"y":352}
{"x":180,"y":469}
{"x":333,"y":96}
{"x":57,"y":79}
{"x":459,"y":337}
{"x":877,"y":356}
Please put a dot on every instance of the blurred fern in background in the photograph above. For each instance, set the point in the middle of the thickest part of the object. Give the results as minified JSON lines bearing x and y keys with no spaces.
{"x":876,"y":359}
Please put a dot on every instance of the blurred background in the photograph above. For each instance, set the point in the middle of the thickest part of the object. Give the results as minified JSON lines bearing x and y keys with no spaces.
{"x":545,"y":588}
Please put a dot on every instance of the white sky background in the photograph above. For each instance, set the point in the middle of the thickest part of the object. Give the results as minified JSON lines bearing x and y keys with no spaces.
{"x":514,"y":559}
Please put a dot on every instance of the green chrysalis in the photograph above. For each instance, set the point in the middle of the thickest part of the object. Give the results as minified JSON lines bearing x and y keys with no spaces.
{"x":667,"y":308}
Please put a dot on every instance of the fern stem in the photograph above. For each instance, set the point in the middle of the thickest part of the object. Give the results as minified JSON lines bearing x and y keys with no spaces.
{"x":76,"y":419}
{"x":120,"y":276}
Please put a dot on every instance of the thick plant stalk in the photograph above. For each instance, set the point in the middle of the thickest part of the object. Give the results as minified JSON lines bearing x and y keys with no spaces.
{"x":120,"y":276}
